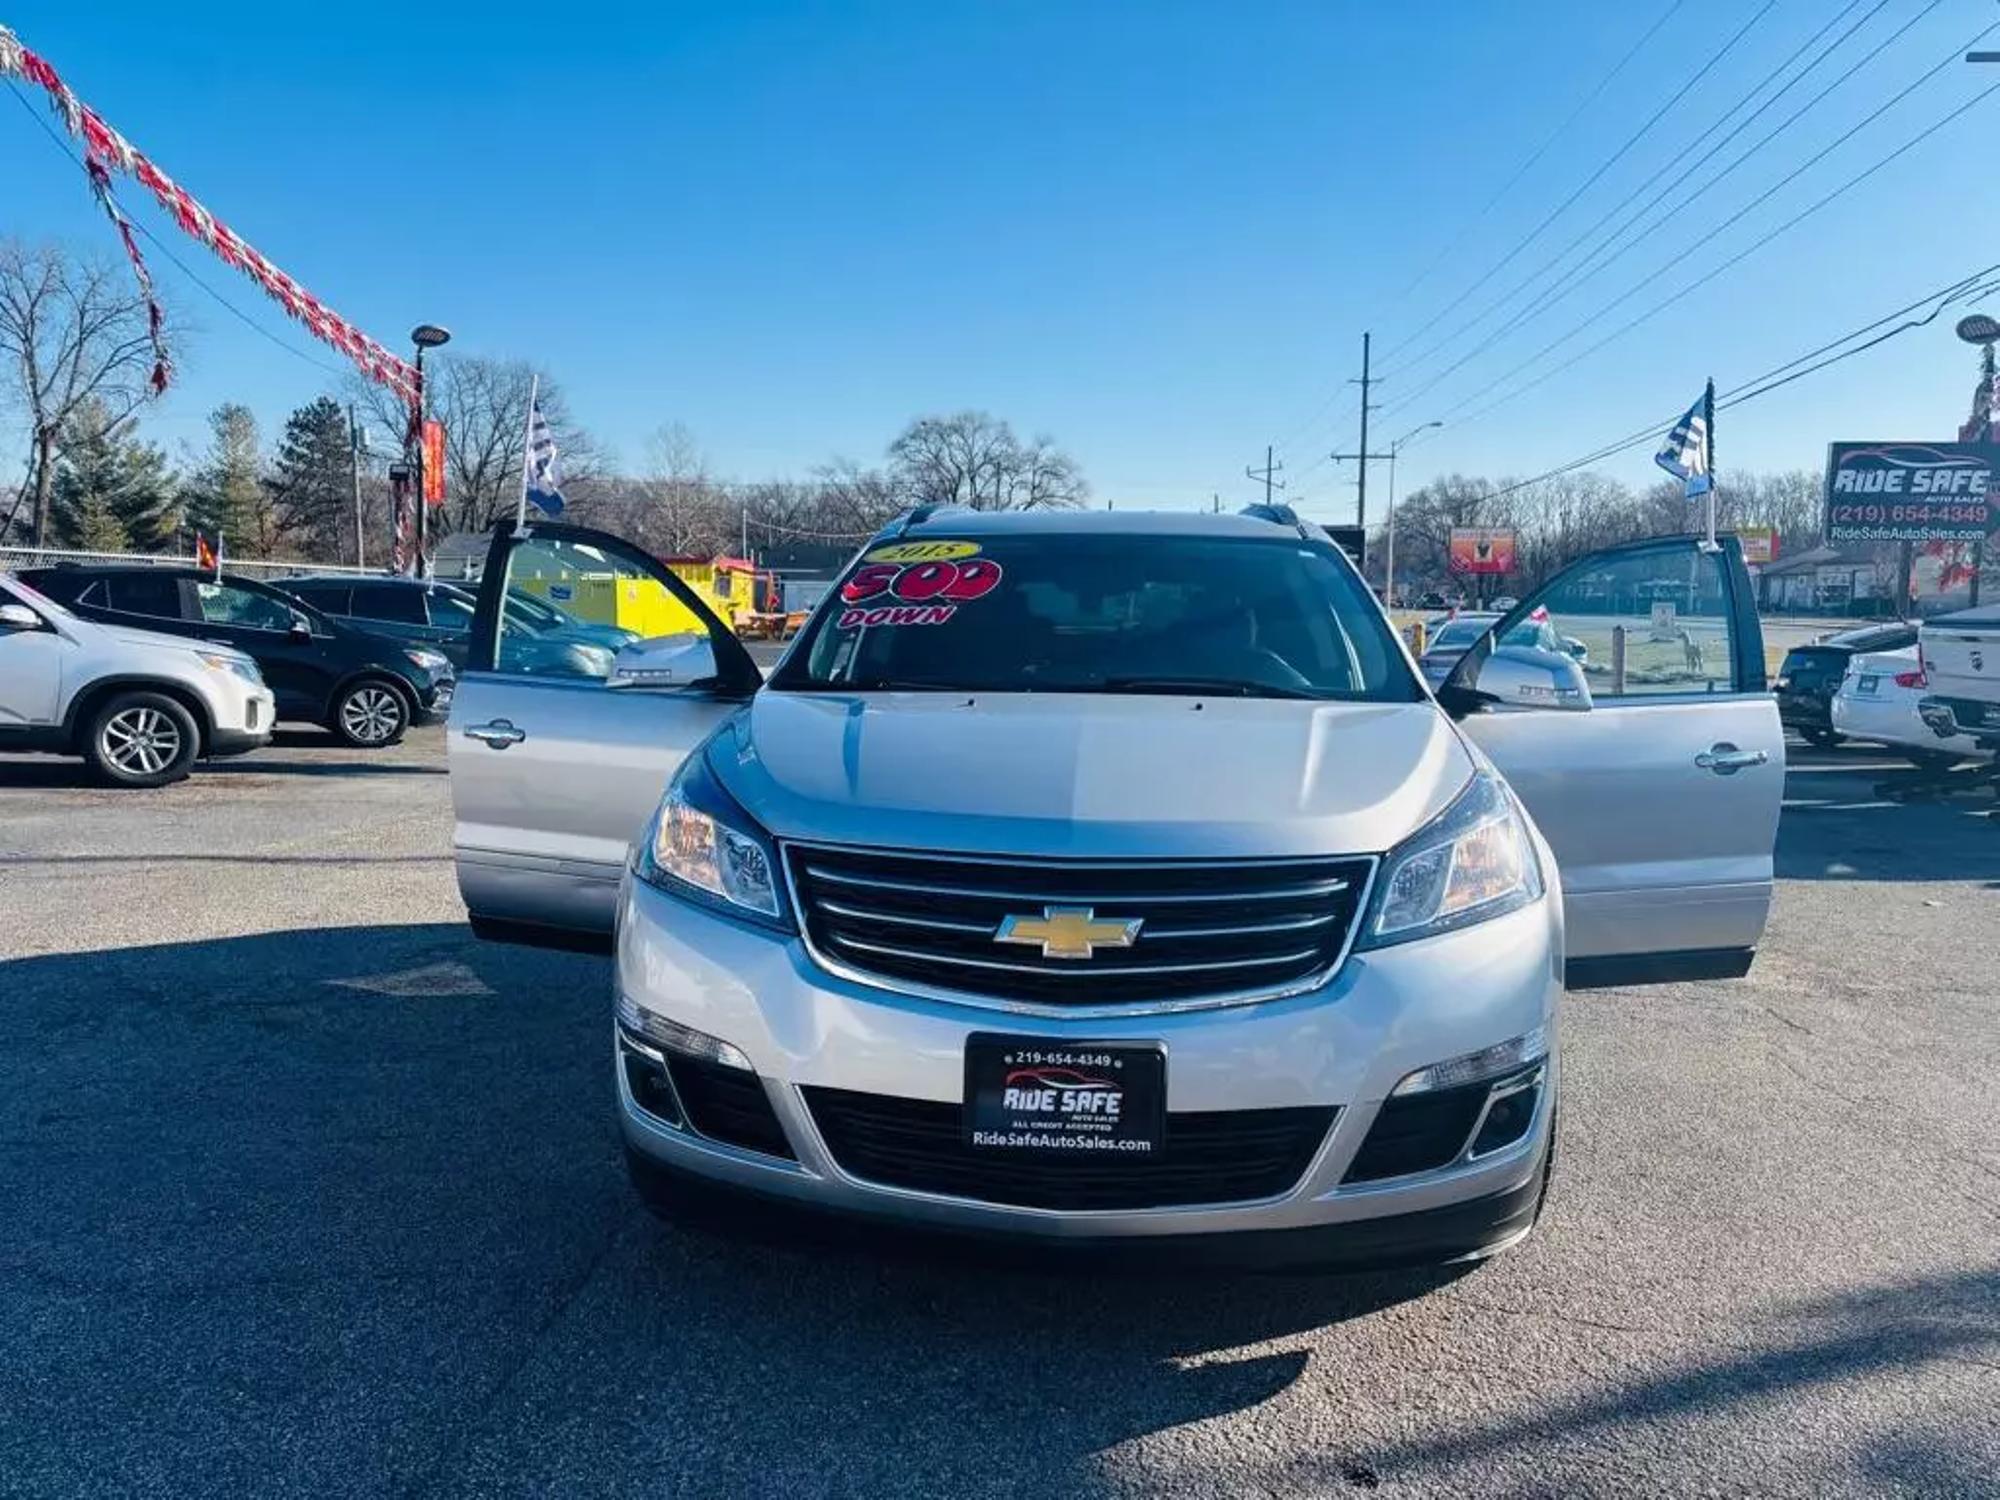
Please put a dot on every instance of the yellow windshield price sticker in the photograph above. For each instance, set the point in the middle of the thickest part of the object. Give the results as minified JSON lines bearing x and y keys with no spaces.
{"x":914,"y":552}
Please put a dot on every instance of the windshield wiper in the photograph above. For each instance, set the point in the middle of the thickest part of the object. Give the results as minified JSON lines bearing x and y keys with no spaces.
{"x":1198,"y":686}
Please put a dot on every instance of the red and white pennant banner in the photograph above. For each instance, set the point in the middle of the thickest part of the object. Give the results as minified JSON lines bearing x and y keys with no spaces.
{"x":104,"y":145}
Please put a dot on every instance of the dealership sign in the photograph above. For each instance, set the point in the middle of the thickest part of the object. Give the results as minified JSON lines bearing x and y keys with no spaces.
{"x":1482,"y":549}
{"x":1909,"y":492}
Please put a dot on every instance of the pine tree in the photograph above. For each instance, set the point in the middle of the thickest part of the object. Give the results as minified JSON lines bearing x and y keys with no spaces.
{"x":226,"y":496}
{"x":312,"y":486}
{"x":111,"y":486}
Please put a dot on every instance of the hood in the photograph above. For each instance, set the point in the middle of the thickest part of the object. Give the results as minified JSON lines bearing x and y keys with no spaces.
{"x":1085,"y":775}
{"x":126,"y":635}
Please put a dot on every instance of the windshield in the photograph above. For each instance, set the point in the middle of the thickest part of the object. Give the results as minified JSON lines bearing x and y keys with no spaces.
{"x":35,"y":596}
{"x":525,"y":610}
{"x":1063,"y":612}
{"x":1461,"y":633}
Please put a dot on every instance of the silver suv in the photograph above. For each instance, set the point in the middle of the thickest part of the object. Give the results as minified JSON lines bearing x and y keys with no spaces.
{"x":138,"y":706}
{"x":1113,"y":876}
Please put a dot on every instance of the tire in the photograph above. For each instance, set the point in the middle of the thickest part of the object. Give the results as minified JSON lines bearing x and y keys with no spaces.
{"x":141,"y":739}
{"x":1824,"y":739}
{"x":370,"y":714}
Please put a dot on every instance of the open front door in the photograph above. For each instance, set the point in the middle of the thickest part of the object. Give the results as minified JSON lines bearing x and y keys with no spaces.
{"x":1625,"y":702}
{"x":591,"y":673}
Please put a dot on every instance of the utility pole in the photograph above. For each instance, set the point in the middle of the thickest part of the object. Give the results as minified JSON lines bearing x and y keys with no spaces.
{"x":1364,"y":457}
{"x":1268,"y":473}
{"x":357,"y":444}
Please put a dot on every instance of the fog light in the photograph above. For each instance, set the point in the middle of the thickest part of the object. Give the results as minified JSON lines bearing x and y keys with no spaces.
{"x":678,"y":1038}
{"x":1476,"y":1067}
{"x":647,"y":1080}
{"x":1507,"y":1120}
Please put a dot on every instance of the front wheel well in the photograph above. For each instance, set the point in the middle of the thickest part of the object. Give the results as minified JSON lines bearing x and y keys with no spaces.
{"x":83,"y":708}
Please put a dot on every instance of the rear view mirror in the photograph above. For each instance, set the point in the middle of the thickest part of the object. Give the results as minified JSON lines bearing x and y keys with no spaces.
{"x":19,"y":617}
{"x":667,"y":661}
{"x":1529,"y":677}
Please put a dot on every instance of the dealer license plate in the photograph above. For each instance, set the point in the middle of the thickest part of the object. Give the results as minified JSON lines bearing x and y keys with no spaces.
{"x":1027,"y":1094}
{"x":1865,"y":684}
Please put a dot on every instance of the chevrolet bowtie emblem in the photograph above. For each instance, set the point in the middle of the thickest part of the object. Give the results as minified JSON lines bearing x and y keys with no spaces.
{"x":1070,"y":931}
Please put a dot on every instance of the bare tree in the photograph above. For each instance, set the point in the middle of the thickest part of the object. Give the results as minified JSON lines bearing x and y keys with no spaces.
{"x":72,"y":330}
{"x":483,"y":404}
{"x":973,"y":459}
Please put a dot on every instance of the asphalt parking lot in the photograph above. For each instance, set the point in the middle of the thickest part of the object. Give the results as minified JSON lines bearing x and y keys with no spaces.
{"x":305,"y":1192}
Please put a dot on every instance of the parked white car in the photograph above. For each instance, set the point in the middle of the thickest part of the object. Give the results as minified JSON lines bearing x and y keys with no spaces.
{"x":1877,"y":701}
{"x":1961,"y":653}
{"x":140,"y":707}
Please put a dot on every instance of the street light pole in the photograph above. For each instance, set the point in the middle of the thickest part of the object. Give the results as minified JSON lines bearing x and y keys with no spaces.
{"x":1389,"y":567}
{"x":424,"y":336}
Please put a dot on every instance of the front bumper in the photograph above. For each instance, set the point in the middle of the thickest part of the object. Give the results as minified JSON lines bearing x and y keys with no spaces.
{"x":242,"y":718}
{"x":434,"y":704}
{"x":1899,"y":722}
{"x":1963,"y":716}
{"x":1344,"y":1046}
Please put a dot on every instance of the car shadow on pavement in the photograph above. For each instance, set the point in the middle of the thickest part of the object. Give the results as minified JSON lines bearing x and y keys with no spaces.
{"x":1873,"y":825}
{"x":343,"y":1210}
{"x":1877,"y":1331}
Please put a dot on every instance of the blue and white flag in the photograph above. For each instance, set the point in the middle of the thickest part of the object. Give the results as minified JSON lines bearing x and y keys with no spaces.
{"x":1689,"y":452}
{"x":539,"y":477}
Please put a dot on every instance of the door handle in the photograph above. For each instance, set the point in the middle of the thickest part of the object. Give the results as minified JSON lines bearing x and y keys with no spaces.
{"x":499,"y":734}
{"x":1725,"y":759}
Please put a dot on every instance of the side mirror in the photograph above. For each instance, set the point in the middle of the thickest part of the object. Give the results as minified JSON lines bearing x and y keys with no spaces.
{"x":19,"y":617}
{"x":1576,"y":648}
{"x":301,"y":628}
{"x":665,"y":661}
{"x":1528,"y":677}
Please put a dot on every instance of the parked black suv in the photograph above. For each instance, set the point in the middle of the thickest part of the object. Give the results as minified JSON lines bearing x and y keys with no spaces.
{"x":539,"y":638}
{"x":1811,"y":675}
{"x":363,"y":687}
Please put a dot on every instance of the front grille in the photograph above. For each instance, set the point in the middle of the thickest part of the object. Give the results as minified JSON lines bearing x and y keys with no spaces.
{"x":1227,"y":1156}
{"x":1205,"y":929}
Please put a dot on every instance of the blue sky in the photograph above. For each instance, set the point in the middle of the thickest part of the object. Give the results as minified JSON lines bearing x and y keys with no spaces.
{"x":1154,"y":231}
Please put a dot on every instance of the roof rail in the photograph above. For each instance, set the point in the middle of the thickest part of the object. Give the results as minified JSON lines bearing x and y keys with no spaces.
{"x":915,"y":516}
{"x":1276,"y":512}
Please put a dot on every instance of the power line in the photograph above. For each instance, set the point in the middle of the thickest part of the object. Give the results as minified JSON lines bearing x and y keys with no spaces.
{"x":1555,"y":295}
{"x":1732,"y":261}
{"x":1542,"y":150}
{"x":1606,"y":165}
{"x":157,"y":243}
{"x":1569,"y":279}
{"x":1965,"y":289}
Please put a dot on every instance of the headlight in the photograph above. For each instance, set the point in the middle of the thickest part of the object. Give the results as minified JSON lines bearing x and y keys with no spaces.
{"x":240,"y":666}
{"x":434,"y":662}
{"x":703,"y":847}
{"x":1471,"y":862}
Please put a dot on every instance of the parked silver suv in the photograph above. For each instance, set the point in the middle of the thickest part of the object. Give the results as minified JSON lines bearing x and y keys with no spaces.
{"x":138,"y":706}
{"x":1110,"y":875}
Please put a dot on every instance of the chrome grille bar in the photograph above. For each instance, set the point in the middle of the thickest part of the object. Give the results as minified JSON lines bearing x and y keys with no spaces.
{"x":1079,"y":971}
{"x":1303,"y":892}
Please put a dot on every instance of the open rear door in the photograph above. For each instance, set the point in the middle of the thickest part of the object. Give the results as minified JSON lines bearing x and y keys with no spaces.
{"x":591,"y":673}
{"x":1642,"y":739}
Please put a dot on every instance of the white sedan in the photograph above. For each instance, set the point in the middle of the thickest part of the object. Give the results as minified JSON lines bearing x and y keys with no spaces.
{"x":1877,"y":700}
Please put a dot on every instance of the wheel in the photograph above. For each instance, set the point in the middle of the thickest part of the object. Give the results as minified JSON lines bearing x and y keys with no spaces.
{"x":138,"y":738}
{"x":1825,"y":739}
{"x":370,"y":714}
{"x":1932,"y":760}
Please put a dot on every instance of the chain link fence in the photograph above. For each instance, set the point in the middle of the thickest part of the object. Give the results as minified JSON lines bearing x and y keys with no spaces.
{"x":249,"y":567}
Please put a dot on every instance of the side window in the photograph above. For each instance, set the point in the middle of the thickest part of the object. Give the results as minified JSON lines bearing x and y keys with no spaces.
{"x":158,"y":595}
{"x":1650,"y":622}
{"x":571,"y":608}
{"x":385,"y":601}
{"x":332,"y":601}
{"x":226,"y":604}
{"x":449,"y":611}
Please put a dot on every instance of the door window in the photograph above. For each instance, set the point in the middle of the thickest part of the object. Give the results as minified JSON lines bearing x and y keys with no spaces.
{"x":228,"y":604}
{"x":450,"y":611}
{"x":385,"y":601}
{"x":155,"y":594}
{"x":573,"y":606}
{"x":1642,"y":622}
